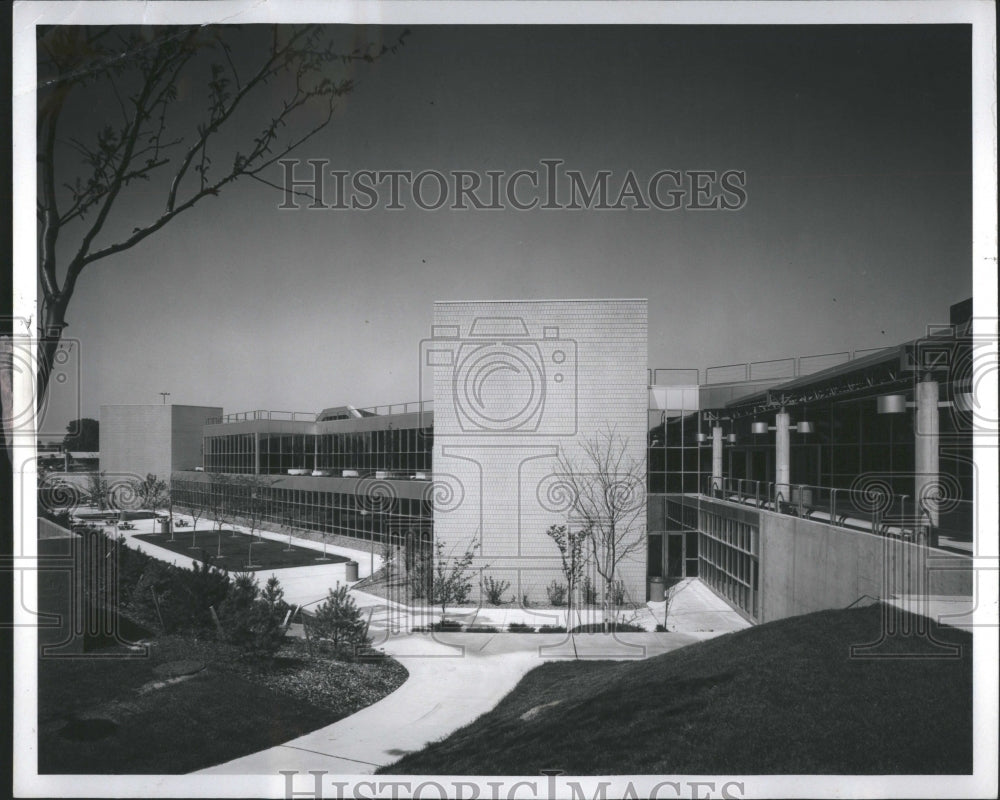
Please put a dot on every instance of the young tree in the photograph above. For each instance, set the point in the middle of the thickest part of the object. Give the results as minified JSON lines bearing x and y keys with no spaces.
{"x":184,"y":497}
{"x":571,"y":551}
{"x":268,"y":89}
{"x":249,"y":504}
{"x":608,"y":502}
{"x":97,"y":489}
{"x":451,"y":581}
{"x":339,"y":620}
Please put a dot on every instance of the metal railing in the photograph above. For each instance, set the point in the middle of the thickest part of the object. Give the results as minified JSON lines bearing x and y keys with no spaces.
{"x":248,"y":416}
{"x":310,"y":416}
{"x":768,"y":369}
{"x":399,"y":408}
{"x":884,"y":513}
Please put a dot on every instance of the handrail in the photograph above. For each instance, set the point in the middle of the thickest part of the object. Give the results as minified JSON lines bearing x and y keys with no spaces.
{"x":795,"y":362}
{"x":310,"y":416}
{"x":884,"y":511}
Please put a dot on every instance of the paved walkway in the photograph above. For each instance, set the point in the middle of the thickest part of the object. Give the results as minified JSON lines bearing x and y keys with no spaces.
{"x":455,"y":678}
{"x":304,"y":585}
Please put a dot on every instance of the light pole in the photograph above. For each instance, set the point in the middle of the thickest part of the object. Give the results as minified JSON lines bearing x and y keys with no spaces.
{"x":164,"y":395}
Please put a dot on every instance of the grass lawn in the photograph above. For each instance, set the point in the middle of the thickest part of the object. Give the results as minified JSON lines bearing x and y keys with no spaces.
{"x":119,"y":716}
{"x":781,"y":698}
{"x":267,"y":554}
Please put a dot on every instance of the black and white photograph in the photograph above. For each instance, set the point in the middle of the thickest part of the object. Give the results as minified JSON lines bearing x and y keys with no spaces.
{"x":503,"y":400}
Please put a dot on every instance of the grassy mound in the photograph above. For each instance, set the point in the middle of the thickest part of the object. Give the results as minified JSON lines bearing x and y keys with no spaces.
{"x":136,"y":716}
{"x":781,"y":698}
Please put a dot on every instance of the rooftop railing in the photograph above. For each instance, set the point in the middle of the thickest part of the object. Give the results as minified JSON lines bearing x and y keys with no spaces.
{"x":399,"y":408}
{"x":311,"y":416}
{"x":873,"y":510}
{"x":770,"y":369}
{"x":248,"y":416}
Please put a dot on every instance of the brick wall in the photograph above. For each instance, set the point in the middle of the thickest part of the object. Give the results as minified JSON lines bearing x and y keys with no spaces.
{"x":515,"y":384}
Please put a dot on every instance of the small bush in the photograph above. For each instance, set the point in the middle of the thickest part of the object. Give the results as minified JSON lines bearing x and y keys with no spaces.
{"x":494,"y":590}
{"x":520,"y":627}
{"x":339,"y":620}
{"x":249,"y":621}
{"x":617,"y":591}
{"x":482,"y":629}
{"x":614,"y":627}
{"x":552,"y":629}
{"x":420,"y":577}
{"x":446,"y":625}
{"x":661,"y":629}
{"x":588,"y":591}
{"x":557,"y":593}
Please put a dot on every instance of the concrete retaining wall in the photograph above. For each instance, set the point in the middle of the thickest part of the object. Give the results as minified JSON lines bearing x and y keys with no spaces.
{"x":810,"y":566}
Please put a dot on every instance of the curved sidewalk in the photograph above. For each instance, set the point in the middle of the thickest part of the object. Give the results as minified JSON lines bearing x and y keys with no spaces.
{"x":454,"y":678}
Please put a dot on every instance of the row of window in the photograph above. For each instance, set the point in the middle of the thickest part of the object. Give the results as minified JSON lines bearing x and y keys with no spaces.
{"x":372,"y":518}
{"x":397,"y":450}
{"x":728,"y":551}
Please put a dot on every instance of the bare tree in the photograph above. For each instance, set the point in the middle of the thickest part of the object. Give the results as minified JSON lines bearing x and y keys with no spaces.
{"x":185,"y":499}
{"x":264,"y":96}
{"x":571,"y":544}
{"x":218,"y":501}
{"x":607,"y":493}
{"x":250,"y":501}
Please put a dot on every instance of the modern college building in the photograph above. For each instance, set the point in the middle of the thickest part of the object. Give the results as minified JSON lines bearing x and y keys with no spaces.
{"x":786,"y":486}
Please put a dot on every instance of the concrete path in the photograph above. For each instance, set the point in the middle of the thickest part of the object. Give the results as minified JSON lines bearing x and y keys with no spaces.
{"x":303,"y":586}
{"x":454,"y":678}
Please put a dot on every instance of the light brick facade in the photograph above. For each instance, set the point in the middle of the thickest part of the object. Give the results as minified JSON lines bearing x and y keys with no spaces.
{"x":515,"y":383}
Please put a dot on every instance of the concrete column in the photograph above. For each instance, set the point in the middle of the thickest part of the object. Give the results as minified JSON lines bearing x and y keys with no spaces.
{"x":717,"y":457}
{"x":926,"y":447}
{"x":782,"y":456}
{"x":256,"y":454}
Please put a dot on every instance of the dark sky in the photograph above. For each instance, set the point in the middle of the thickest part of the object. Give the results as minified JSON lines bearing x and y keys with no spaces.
{"x":856,"y":143}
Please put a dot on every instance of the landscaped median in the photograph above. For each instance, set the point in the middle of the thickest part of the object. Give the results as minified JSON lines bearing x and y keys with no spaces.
{"x":783,"y":698}
{"x":211,"y":675}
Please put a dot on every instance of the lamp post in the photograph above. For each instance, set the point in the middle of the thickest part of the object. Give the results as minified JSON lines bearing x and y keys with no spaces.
{"x":782,"y":449}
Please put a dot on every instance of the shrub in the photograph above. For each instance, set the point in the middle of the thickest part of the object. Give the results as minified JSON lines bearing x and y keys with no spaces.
{"x":620,"y":627}
{"x":339,"y":620}
{"x":520,"y":627}
{"x":446,"y":625}
{"x":249,"y":621}
{"x":482,"y":629}
{"x":190,"y":594}
{"x":494,"y":590}
{"x":557,"y":593}
{"x":420,"y":576}
{"x":589,"y":592}
{"x":660,"y":629}
{"x":552,"y":629}
{"x":617,"y":591}
{"x":150,"y":594}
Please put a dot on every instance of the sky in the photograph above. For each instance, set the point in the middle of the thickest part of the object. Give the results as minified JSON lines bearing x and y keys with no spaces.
{"x":856,"y":231}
